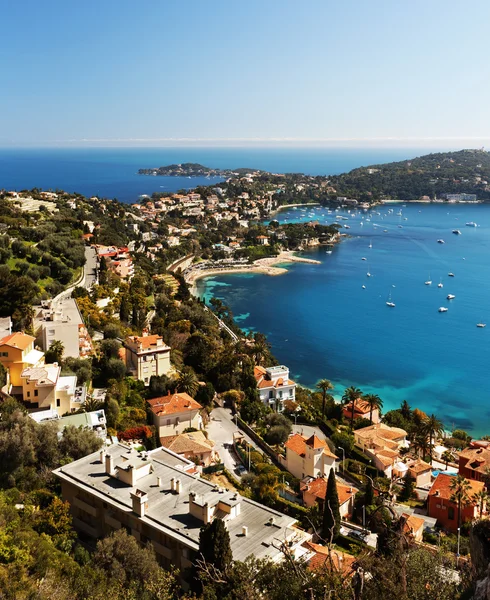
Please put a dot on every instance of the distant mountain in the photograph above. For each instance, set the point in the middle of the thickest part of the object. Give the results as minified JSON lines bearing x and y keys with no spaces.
{"x":432,"y":175}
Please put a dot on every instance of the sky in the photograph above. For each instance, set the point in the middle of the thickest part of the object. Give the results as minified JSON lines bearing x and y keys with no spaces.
{"x":121,"y":72}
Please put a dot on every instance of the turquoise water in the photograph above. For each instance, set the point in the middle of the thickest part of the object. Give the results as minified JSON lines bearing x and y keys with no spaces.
{"x":322,"y":323}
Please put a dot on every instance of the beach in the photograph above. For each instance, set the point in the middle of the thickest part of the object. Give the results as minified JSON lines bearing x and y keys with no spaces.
{"x":266,"y":266}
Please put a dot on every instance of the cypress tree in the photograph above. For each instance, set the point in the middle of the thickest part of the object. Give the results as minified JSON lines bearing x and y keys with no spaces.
{"x":369,"y":493}
{"x":214,"y":545}
{"x":331,"y":511}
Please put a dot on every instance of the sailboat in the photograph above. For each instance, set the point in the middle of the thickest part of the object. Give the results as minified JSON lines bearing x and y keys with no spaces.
{"x":481,"y":325}
{"x":429,"y":281}
{"x":440,"y":284}
{"x":368,"y":272}
{"x":370,"y":244}
{"x":390,"y":302}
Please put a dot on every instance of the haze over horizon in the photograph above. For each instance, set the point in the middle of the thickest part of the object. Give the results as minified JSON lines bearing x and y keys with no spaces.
{"x":356,"y":74}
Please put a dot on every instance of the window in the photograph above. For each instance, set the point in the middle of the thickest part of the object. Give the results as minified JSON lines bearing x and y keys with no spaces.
{"x":58,"y":402}
{"x":28,"y":394}
{"x":450,"y":513}
{"x":291,"y":393}
{"x":36,"y":392}
{"x":271,"y":394}
{"x":4,"y":354}
{"x":168,"y":421}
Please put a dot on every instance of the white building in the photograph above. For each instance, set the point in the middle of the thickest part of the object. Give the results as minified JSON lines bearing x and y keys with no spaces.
{"x":275,"y":386}
{"x":308,"y":457}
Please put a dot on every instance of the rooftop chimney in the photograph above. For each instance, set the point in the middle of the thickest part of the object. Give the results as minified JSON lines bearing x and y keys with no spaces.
{"x":244,"y":531}
{"x":172,"y":484}
{"x":140,"y":502}
{"x":109,"y":464}
{"x":178,"y":486}
{"x":102,"y":455}
{"x":159,"y":482}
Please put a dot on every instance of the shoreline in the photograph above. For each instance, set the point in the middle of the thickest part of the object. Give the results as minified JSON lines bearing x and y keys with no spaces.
{"x":286,"y":206}
{"x":264,"y":266}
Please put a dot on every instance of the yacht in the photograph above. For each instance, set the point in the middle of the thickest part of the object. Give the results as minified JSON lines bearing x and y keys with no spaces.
{"x":346,"y":227}
{"x":328,"y":252}
{"x":481,"y":325}
{"x":471,"y":224}
{"x":429,"y":281}
{"x":457,"y":231}
{"x":368,"y":272}
{"x":363,"y":258}
{"x":390,"y":302}
{"x":442,"y":309}
{"x":370,"y":245}
{"x":450,"y":274}
{"x":440,"y":284}
{"x":441,"y":242}
{"x":450,"y":296}
{"x":363,"y":287}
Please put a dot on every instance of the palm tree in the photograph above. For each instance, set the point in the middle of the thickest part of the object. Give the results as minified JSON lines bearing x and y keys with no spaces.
{"x":187,"y":383}
{"x":92,"y":404}
{"x":447,"y":457}
{"x":56,"y":349}
{"x":351,"y":394}
{"x":480,"y":498}
{"x":374,"y":402}
{"x":433,"y":428}
{"x":260,"y":349}
{"x":459,"y":488}
{"x":324,"y":386}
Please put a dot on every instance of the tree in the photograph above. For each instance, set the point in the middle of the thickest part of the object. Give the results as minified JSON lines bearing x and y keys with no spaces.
{"x":187,"y":382}
{"x":408,"y":487}
{"x":447,"y":457}
{"x":110,"y":348}
{"x":405,"y":410}
{"x":324,"y":386}
{"x":459,"y":493}
{"x":79,"y":442}
{"x":374,"y":402}
{"x":331,"y":510}
{"x":432,"y":428}
{"x":369,"y":493}
{"x":214,"y":545}
{"x":350,"y":395}
{"x":480,"y":499}
{"x":55,"y":352}
{"x":278,"y":428}
{"x":343,"y":440}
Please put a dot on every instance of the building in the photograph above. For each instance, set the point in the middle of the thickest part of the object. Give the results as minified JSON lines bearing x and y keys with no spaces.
{"x":314,"y":491}
{"x":441,"y":507}
{"x":193,"y":445}
{"x":379,"y":436}
{"x":308,"y":457}
{"x":61,"y":323}
{"x":414,"y":526}
{"x":328,"y":558}
{"x":460,"y":197}
{"x":157,"y":497}
{"x":474,"y":462}
{"x":94,"y":420}
{"x":29,"y":379}
{"x":5,"y":326}
{"x":421,"y":472}
{"x":174,"y":413}
{"x":362,"y":410}
{"x":275,"y":386}
{"x":147,"y":355}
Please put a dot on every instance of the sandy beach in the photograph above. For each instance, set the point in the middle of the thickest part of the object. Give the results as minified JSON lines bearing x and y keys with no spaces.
{"x":265,"y":266}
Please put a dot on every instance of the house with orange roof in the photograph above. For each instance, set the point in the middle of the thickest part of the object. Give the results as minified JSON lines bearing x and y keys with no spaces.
{"x":308,"y":457}
{"x":420,"y":471}
{"x":473,"y":463}
{"x":147,"y":355}
{"x":175,"y":412}
{"x":314,"y":491}
{"x":274,"y":386}
{"x":414,"y":526}
{"x":441,"y":507}
{"x":321,"y":557}
{"x":362,"y":410}
{"x":380,"y":435}
{"x":192,"y":445}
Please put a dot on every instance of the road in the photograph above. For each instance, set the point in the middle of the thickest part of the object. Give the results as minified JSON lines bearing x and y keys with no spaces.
{"x":221,"y":429}
{"x":90,"y":267}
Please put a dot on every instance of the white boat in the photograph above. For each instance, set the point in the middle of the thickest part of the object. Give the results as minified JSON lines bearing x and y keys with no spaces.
{"x":370,"y":245}
{"x":429,"y":281}
{"x":368,"y":272}
{"x":328,"y":252}
{"x":450,"y":274}
{"x":390,"y":302}
{"x":441,"y":242}
{"x":450,"y":296}
{"x":363,"y":258}
{"x":457,"y":231}
{"x":363,"y":287}
{"x":443,"y":309}
{"x":346,"y":227}
{"x":471,"y":224}
{"x":481,"y":325}
{"x":440,"y":284}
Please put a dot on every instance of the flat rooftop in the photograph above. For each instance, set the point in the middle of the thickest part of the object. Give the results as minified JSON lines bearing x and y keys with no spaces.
{"x":169,"y":511}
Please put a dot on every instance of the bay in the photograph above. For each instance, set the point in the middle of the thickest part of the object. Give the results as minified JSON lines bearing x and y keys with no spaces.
{"x":323,"y":324}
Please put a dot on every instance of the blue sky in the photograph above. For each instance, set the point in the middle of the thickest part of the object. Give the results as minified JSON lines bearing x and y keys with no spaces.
{"x":352,"y":71}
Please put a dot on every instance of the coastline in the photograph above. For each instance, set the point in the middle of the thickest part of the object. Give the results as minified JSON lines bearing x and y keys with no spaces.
{"x":286,"y":206}
{"x":264,"y":266}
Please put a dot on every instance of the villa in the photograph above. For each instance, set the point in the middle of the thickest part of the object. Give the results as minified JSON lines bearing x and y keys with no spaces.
{"x":174,"y":413}
{"x":275,"y":386}
{"x":362,"y":410}
{"x":146,"y":356}
{"x":308,"y":457}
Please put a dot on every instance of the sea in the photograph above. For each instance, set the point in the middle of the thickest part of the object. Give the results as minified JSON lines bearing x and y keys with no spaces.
{"x":319,"y":318}
{"x":331,"y":320}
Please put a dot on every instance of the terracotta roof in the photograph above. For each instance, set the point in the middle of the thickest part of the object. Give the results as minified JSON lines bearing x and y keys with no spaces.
{"x":146,"y":341}
{"x":413,"y":523}
{"x":318,"y":488}
{"x":477,"y":458}
{"x":360,"y":406}
{"x":194,"y":442}
{"x":419,"y":466}
{"x":385,"y":456}
{"x":381,"y":430}
{"x":17,"y":340}
{"x":323,"y":557}
{"x":263,"y":381}
{"x":173,"y":403}
{"x":441,"y":488}
{"x":297,"y":443}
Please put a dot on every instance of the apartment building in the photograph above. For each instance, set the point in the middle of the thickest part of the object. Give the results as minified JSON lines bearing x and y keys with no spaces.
{"x":147,"y":355}
{"x":157,"y":497}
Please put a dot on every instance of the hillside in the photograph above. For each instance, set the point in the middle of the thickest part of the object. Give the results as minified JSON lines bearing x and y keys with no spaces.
{"x":433,"y":175}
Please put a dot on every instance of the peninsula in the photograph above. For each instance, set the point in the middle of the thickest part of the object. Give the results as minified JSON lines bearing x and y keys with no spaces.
{"x":194,"y":170}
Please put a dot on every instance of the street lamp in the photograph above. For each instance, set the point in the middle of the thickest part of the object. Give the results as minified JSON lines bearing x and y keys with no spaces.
{"x":457,"y":555}
{"x":343,"y":458}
